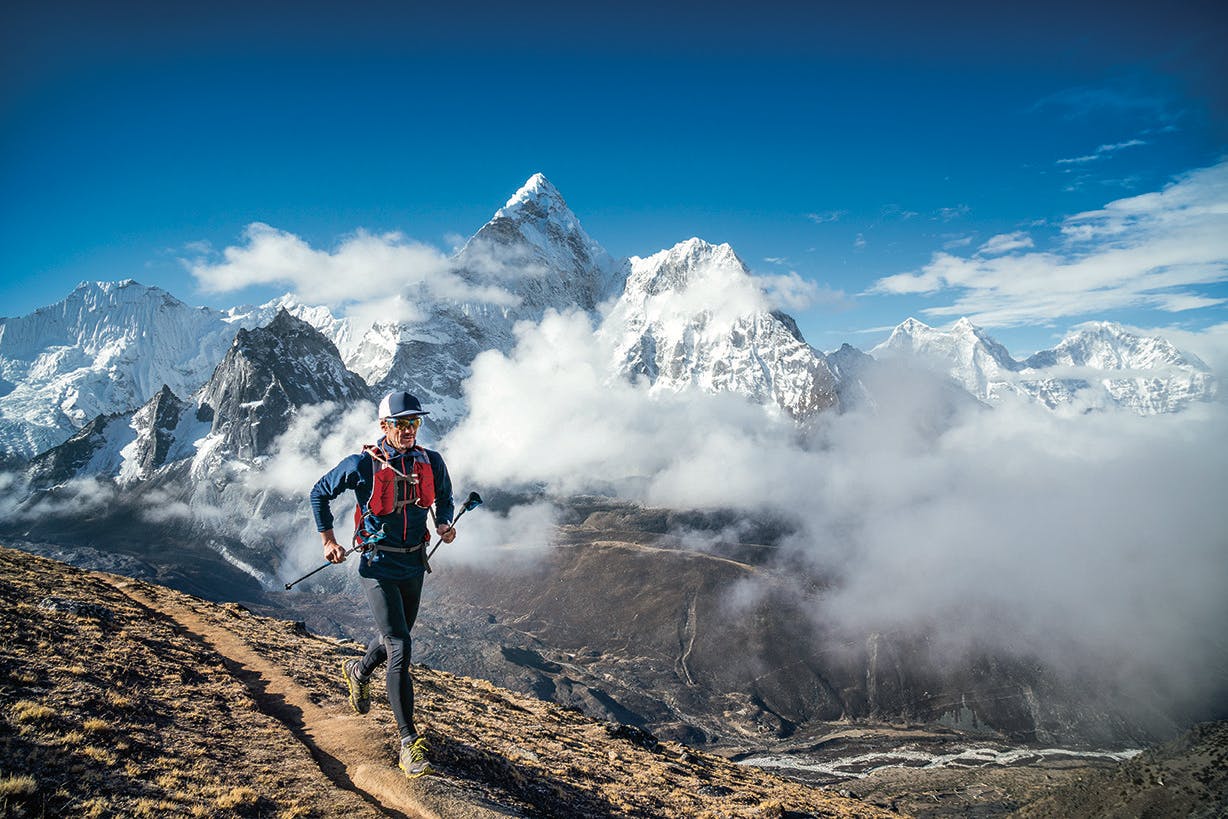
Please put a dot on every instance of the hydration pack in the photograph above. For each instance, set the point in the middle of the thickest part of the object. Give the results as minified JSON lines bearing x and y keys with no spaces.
{"x":392,"y":490}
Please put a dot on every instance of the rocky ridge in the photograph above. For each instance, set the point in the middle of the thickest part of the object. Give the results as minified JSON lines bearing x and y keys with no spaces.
{"x":267,"y":374}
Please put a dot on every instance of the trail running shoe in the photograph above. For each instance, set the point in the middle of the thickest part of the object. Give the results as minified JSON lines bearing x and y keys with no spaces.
{"x":360,"y":689}
{"x":413,"y":759}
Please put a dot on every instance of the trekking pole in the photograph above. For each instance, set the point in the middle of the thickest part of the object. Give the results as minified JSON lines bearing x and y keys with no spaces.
{"x":347,"y":552}
{"x":472,"y":502}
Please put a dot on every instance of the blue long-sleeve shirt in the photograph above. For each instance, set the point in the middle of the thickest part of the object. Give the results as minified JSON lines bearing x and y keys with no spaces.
{"x":402,"y":529}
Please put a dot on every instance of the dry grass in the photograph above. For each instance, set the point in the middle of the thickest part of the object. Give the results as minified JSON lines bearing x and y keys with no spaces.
{"x":237,"y":798}
{"x":30,"y":711}
{"x":101,"y":755}
{"x":117,"y":700}
{"x":94,"y":725}
{"x":17,"y":786}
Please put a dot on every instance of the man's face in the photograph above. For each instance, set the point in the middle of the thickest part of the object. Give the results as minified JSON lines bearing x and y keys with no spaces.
{"x":401,"y":432}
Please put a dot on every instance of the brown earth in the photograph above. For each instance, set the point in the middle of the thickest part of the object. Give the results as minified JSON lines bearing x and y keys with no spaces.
{"x":122,"y":698}
{"x":1185,"y":777}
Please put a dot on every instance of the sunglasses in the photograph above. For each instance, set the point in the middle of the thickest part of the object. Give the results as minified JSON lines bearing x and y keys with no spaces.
{"x":404,"y":424}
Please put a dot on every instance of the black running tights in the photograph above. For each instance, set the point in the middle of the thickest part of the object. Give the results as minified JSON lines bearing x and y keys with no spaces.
{"x":394,"y":604}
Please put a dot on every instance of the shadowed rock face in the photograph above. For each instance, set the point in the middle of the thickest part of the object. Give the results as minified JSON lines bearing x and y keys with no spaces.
{"x":141,"y":439}
{"x":160,"y":417}
{"x":62,"y":462}
{"x":269,"y":372}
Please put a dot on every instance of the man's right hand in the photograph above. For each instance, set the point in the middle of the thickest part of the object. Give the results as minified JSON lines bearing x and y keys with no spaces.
{"x":333,"y":551}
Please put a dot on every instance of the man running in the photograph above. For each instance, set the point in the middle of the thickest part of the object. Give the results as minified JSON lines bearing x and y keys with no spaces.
{"x":395,"y":482}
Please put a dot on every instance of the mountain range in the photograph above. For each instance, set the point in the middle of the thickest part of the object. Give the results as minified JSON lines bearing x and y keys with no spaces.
{"x":1098,"y":365}
{"x":691,"y":316}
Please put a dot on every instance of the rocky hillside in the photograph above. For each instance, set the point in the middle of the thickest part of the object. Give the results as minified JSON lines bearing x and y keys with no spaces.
{"x":123,"y":698}
{"x":1185,"y":777}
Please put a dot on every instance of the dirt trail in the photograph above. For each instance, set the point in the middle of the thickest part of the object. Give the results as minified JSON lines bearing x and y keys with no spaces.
{"x":348,"y":748}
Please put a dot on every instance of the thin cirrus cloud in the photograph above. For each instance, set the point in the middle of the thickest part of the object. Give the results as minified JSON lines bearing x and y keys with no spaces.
{"x":1101,"y":152}
{"x":1159,"y":251}
{"x":1005,"y":243}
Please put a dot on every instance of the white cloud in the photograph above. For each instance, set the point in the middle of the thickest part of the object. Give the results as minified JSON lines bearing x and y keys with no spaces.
{"x":1158,"y":251}
{"x":1039,"y":529}
{"x":495,"y":261}
{"x":518,"y":536}
{"x":1117,"y":146}
{"x":1078,"y":160}
{"x":551,"y":412}
{"x":898,"y":212}
{"x":789,"y":291}
{"x":366,"y":276}
{"x":1068,"y":537}
{"x":318,"y":437}
{"x":956,"y":241}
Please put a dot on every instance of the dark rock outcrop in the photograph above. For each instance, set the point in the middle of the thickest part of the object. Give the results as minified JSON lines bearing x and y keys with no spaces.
{"x":63,"y":462}
{"x":266,"y":375}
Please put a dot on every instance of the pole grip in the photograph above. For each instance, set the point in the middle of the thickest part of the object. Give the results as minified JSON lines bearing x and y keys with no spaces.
{"x":348,"y":551}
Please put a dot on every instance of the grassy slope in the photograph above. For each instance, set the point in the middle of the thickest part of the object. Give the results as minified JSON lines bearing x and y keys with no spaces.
{"x":150,"y":702}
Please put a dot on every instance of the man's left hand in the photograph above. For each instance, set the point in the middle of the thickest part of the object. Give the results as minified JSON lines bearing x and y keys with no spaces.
{"x":446,"y":532}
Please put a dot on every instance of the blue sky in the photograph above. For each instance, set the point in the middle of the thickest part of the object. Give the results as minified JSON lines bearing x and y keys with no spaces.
{"x":877,"y":152}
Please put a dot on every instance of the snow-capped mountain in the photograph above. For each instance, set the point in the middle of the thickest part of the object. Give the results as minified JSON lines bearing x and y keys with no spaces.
{"x":92,"y":450}
{"x":1145,"y":373}
{"x":166,"y":430}
{"x":103,"y":350}
{"x":692,"y":316}
{"x":340,"y":331}
{"x":267,"y":374}
{"x":1104,"y":345}
{"x":966,"y":352}
{"x":850,"y":366}
{"x":1100,"y":364}
{"x":532,"y":249}
{"x":535,"y":247}
{"x":106,"y":349}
